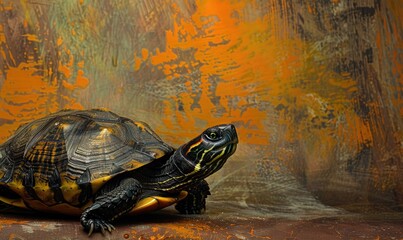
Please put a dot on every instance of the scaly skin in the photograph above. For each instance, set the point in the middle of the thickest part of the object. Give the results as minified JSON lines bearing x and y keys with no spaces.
{"x":110,"y":205}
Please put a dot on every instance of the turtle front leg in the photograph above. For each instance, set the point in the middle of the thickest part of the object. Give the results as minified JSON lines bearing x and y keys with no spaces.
{"x":111,"y":204}
{"x":195,"y":201}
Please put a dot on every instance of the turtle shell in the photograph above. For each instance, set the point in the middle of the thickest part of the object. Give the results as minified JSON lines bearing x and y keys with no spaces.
{"x":64,"y":158}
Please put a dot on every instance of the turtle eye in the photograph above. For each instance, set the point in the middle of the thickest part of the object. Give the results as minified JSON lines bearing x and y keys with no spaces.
{"x":213,"y":135}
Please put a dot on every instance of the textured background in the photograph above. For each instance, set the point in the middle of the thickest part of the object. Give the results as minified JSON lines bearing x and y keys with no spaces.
{"x":314,"y":87}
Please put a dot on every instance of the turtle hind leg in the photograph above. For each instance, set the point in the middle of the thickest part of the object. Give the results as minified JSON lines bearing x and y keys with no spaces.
{"x":195,"y":201}
{"x":109,"y":205}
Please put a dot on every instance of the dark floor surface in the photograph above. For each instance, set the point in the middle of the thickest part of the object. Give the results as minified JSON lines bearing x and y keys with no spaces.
{"x":220,"y":222}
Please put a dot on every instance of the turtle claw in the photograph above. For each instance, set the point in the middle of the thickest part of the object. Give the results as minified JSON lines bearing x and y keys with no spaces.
{"x":99,"y":225}
{"x":110,"y":227}
{"x":91,"y":228}
{"x":105,"y":226}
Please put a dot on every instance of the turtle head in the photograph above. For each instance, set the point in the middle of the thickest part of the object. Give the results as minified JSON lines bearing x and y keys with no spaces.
{"x":208,"y":152}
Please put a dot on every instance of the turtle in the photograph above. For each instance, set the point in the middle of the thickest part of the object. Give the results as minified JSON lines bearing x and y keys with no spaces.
{"x":99,"y":166}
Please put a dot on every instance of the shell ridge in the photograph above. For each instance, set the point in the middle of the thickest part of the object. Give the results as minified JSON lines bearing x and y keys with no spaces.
{"x":72,"y":144}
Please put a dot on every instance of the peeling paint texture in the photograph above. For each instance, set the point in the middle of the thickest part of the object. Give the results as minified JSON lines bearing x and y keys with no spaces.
{"x":313,"y":87}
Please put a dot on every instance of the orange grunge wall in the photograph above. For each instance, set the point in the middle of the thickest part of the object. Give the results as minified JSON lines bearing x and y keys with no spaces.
{"x":314,"y":88}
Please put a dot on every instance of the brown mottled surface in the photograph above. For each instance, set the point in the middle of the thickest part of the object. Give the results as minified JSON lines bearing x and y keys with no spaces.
{"x":220,"y":222}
